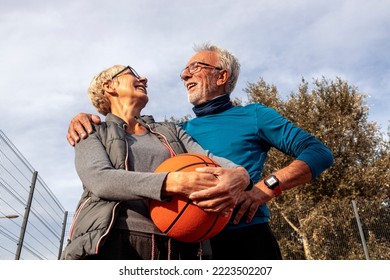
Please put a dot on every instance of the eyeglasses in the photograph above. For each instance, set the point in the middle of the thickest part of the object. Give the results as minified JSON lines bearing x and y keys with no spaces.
{"x":132,"y":72}
{"x":196,"y":66}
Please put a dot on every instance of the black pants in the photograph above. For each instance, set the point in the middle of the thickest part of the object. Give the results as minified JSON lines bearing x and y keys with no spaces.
{"x":255,"y":242}
{"x":126,"y":245}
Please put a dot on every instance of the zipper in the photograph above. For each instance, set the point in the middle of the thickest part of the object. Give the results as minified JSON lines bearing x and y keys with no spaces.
{"x":76,"y":216}
{"x":127,"y":150}
{"x":108,"y":229}
{"x":166,"y":143}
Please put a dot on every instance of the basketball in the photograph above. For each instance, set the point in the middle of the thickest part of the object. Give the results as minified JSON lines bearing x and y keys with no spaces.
{"x":179,"y":218}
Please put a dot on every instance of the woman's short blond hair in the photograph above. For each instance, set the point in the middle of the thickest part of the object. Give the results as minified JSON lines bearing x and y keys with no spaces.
{"x":96,"y":92}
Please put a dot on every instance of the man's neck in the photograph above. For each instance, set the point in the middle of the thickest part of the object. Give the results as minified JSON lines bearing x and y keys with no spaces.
{"x":213,"y":106}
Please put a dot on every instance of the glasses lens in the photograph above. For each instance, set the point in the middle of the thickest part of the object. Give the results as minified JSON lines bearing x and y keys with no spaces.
{"x":132,"y":72}
{"x":182,"y":72}
{"x":194,"y":67}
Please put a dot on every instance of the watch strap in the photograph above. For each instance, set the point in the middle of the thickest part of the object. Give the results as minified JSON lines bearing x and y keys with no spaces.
{"x":250,"y":186}
{"x":277,"y":191}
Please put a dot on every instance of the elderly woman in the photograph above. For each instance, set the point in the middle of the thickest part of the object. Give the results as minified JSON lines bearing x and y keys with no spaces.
{"x":116,"y":164}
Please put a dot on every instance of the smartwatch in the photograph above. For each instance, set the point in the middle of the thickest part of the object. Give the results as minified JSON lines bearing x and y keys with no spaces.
{"x":272,"y":182}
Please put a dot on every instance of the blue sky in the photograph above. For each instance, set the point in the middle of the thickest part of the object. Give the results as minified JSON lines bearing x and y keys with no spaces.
{"x":50,"y":50}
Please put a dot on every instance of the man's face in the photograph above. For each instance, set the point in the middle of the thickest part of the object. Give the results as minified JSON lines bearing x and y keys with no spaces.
{"x":202,"y":85}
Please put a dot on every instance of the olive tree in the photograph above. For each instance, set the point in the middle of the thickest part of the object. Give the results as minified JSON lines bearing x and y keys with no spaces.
{"x":336,"y":113}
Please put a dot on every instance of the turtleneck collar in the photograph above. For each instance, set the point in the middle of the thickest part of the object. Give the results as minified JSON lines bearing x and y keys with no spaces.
{"x":213,"y":106}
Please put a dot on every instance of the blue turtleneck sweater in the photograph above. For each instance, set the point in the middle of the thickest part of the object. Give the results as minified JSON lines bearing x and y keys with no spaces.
{"x":244,"y":134}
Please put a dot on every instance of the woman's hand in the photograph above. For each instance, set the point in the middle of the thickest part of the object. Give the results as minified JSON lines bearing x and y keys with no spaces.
{"x":185,"y":183}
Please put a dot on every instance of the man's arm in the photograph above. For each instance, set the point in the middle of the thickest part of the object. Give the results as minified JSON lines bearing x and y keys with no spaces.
{"x":296,"y":174}
{"x":80,"y":127}
{"x":312,"y":158}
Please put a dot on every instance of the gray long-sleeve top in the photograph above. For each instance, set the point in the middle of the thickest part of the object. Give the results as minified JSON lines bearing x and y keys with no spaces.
{"x":136,"y":185}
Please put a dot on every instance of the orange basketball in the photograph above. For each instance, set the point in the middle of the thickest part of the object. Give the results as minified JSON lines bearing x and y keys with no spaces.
{"x":180,"y":218}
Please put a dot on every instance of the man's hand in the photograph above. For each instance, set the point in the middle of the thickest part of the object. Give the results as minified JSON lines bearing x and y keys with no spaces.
{"x":224,"y":196}
{"x":80,"y":126}
{"x":248,"y":204}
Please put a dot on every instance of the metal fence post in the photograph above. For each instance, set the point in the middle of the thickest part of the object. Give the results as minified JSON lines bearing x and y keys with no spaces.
{"x":359,"y":224}
{"x":63,"y":234}
{"x":25,"y":217}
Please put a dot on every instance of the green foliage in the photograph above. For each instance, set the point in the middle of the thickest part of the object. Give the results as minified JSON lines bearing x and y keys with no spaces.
{"x":335,"y":113}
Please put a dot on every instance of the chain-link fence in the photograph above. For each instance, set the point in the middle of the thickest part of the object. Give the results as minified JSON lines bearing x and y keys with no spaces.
{"x":32,"y":219}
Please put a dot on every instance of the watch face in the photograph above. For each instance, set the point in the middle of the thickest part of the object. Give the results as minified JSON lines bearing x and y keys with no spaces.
{"x":271,"y":181}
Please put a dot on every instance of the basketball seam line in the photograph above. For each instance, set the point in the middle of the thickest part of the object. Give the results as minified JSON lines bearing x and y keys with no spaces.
{"x":196,"y":163}
{"x":210,"y":228}
{"x":178,"y":217}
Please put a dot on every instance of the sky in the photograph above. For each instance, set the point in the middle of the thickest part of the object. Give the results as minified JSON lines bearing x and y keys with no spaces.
{"x":50,"y":50}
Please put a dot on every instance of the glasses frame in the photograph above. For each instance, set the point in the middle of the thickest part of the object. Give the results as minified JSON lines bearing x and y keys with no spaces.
{"x":132,"y":72}
{"x":198,"y":67}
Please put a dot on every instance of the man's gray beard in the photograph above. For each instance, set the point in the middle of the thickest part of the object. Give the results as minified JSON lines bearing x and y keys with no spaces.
{"x":193,"y":99}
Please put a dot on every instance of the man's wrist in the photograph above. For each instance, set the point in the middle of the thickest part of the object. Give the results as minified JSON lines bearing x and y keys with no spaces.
{"x":273,"y":183}
{"x":250,"y":185}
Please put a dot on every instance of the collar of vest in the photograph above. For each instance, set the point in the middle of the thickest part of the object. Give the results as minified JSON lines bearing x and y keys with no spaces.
{"x":145,"y":120}
{"x":115,"y":119}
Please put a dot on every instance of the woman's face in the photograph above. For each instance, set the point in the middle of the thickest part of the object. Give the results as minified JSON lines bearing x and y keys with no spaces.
{"x":131,"y":87}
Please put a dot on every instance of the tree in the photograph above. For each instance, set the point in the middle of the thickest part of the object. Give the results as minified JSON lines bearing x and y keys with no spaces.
{"x":335,"y":113}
